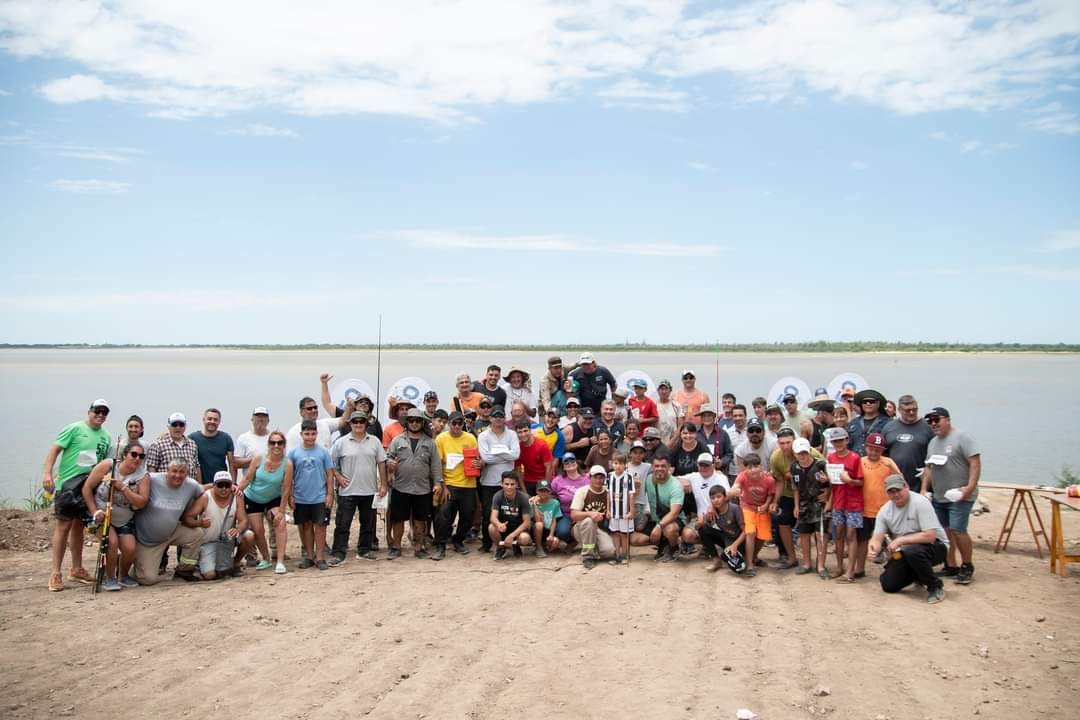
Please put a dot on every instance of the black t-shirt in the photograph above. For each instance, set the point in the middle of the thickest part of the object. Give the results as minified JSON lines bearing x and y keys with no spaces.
{"x":511,"y":511}
{"x":593,"y":389}
{"x":498,"y":395}
{"x":572,"y":433}
{"x":806,"y":480}
{"x":907,"y":446}
{"x":684,"y":462}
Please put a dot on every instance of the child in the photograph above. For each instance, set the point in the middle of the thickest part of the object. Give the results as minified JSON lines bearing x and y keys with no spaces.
{"x":509,"y":523}
{"x":757,"y":492}
{"x":847,"y":500}
{"x":547,"y":513}
{"x":313,"y":493}
{"x":621,"y":505}
{"x":638,"y":469}
{"x":811,"y":486}
{"x":721,"y":524}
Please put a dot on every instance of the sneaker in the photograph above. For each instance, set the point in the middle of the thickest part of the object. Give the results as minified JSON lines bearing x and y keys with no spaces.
{"x":306,"y":563}
{"x":758,"y":562}
{"x":264,"y":565}
{"x":56,"y":582}
{"x":669,"y":556}
{"x":335,"y":560}
{"x":540,"y":552}
{"x":588,"y":562}
{"x":803,"y":571}
{"x":251,"y":559}
{"x":622,"y":560}
{"x":687,"y":549}
{"x":472,"y":536}
{"x":782,"y":558}
{"x":614,"y":560}
{"x":933,"y":597}
{"x":460,"y":549}
{"x":421,"y":554}
{"x":394,"y":552}
{"x":966,"y":574}
{"x":111,"y":585}
{"x":440,"y":552}
{"x":129,"y":582}
{"x":948,"y":571}
{"x":322,"y":565}
{"x":770,"y":543}
{"x":659,"y":554}
{"x":823,"y":574}
{"x":879,"y":559}
{"x":517,"y":551}
{"x":748,"y":573}
{"x":370,"y":555}
{"x":80,"y":575}
{"x":279,"y":569}
{"x":500,"y":553}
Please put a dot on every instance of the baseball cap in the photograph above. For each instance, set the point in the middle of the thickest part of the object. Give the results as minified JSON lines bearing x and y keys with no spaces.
{"x":222,"y":476}
{"x":554,"y":360}
{"x":637,"y":445}
{"x":790,"y":398}
{"x":360,"y":415}
{"x":177,"y":418}
{"x":261,"y":411}
{"x":469,"y":412}
{"x":651,"y":432}
{"x":587,"y":412}
{"x":707,"y":408}
{"x":486,"y":401}
{"x":498,"y":412}
{"x":754,"y":423}
{"x":101,"y":402}
{"x":597,"y":470}
{"x":937,"y":412}
{"x":552,"y":411}
{"x":705,"y":459}
{"x":573,"y":401}
{"x":689,"y":372}
{"x":785,"y":431}
{"x":836,"y":433}
{"x":638,"y":382}
{"x":569,"y":456}
{"x":456,"y":416}
{"x":875,"y":439}
{"x":895,"y":482}
{"x":773,"y":408}
{"x":543,"y":485}
{"x":431,"y":395}
{"x":585,"y":358}
{"x":801,"y":445}
{"x":664,"y":382}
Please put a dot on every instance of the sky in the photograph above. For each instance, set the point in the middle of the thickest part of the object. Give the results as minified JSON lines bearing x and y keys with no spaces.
{"x":539,"y":171}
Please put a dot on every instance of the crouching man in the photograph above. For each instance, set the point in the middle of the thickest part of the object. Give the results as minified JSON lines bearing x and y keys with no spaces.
{"x":171,"y":516}
{"x":227,"y":538}
{"x":916,"y":541}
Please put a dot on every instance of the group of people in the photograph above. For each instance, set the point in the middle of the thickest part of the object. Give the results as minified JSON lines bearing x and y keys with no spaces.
{"x":572,"y":463}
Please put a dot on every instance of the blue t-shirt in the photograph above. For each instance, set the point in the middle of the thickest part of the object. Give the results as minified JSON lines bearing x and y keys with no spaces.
{"x":309,"y":473}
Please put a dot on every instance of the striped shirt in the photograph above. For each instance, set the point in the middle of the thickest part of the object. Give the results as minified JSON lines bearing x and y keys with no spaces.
{"x":164,"y":450}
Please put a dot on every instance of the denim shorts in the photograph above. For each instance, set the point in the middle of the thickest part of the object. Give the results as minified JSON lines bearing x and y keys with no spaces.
{"x":954,"y":515}
{"x":850,"y":518}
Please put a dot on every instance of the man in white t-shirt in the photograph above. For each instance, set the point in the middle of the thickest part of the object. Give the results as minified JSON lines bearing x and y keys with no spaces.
{"x":253,"y":442}
{"x":327,"y":427}
{"x":700,"y":483}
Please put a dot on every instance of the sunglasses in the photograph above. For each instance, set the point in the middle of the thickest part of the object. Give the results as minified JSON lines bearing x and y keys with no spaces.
{"x":276,"y":443}
{"x":457,"y":422}
{"x":100,"y":411}
{"x":414,"y":420}
{"x":754,"y":431}
{"x":223,"y":484}
{"x":870,"y":401}
{"x":933,"y":420}
{"x":179,"y":424}
{"x":311,"y":407}
{"x":137,"y":455}
{"x":358,"y":422}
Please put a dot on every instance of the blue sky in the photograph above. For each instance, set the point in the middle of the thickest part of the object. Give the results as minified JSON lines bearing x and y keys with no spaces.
{"x":540,"y":171}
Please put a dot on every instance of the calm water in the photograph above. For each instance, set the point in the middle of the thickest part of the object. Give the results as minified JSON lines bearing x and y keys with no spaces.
{"x":994,"y":397}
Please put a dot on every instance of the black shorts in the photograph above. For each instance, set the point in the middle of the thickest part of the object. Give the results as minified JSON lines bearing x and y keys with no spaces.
{"x":252,"y":507}
{"x":510,"y":527}
{"x":866,"y":532}
{"x":310,"y":513}
{"x":68,"y":503}
{"x":649,"y":526}
{"x":786,"y":505}
{"x":406,"y":506}
{"x":812,"y":527}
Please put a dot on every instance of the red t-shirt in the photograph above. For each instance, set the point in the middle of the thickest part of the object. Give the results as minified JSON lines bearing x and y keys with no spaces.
{"x":848,"y":497}
{"x":533,"y":461}
{"x":643,"y":409}
{"x":755,"y":493}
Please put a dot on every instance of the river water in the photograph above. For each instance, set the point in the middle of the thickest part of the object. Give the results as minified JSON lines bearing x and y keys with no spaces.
{"x":1018,"y":407}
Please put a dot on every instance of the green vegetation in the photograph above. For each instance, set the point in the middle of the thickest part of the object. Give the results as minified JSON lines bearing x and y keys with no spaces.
{"x":1066,"y":477}
{"x":820,"y":346}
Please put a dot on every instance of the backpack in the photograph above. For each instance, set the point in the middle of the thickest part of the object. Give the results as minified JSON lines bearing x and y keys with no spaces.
{"x":69,"y":501}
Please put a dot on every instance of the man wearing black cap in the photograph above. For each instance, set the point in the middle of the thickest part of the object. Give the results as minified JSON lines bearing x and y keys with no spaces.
{"x":907,"y":436}
{"x":916,"y":541}
{"x":823,"y":419}
{"x":794,"y":417}
{"x":953,"y":466}
{"x":456,"y":493}
{"x":871,"y":404}
{"x":499,"y":449}
{"x":757,"y":443}
{"x":594,"y":381}
{"x":483,"y":416}
{"x":431,"y":404}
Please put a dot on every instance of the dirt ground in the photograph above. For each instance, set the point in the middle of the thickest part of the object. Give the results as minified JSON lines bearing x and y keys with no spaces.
{"x":528,"y":638}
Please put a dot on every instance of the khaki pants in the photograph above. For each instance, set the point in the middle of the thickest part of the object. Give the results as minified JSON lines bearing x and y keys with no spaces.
{"x":148,"y":557}
{"x":594,"y":541}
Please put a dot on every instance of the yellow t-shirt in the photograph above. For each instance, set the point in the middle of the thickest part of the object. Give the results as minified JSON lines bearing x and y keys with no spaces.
{"x":451,"y":448}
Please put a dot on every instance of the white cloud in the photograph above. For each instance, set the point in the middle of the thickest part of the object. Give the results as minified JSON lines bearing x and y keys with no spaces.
{"x":257,"y":130}
{"x":858,"y":165}
{"x":939,"y":135}
{"x":91,"y":187}
{"x":1061,"y":241}
{"x":1052,"y":274}
{"x":205,"y":58}
{"x":450,"y":239}
{"x":970,"y":146}
{"x":4,"y":93}
{"x":1053,"y":118}
{"x":700,"y":166}
{"x":117,"y":155}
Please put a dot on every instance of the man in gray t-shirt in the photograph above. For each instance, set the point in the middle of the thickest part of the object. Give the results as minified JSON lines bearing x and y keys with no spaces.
{"x":953,"y":465}
{"x":906,"y":438}
{"x":360,"y":472}
{"x":172,"y":516}
{"x":916,"y":540}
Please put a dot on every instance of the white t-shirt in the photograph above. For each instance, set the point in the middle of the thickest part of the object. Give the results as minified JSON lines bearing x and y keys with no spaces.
{"x":523,"y":394}
{"x":327,"y":428}
{"x":638,"y":472}
{"x":249,"y":445}
{"x":701,"y":486}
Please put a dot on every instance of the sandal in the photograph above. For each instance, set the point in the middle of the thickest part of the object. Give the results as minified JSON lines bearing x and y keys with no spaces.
{"x":803,"y":571}
{"x":80,"y":575}
{"x":846,"y":579}
{"x":56,"y":582}
{"x":823,"y":574}
{"x":264,"y":565}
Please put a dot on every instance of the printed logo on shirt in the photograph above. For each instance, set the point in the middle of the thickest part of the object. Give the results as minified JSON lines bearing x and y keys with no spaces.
{"x":905,"y":437}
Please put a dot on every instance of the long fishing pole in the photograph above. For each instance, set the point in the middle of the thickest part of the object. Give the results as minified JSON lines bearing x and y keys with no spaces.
{"x":716,"y":398}
{"x":378,"y":371}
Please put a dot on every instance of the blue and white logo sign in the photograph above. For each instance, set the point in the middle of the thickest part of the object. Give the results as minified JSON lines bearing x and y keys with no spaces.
{"x":792,"y":385}
{"x":624,"y":379}
{"x":844,"y":381}
{"x":349,"y":388}
{"x":407,"y":388}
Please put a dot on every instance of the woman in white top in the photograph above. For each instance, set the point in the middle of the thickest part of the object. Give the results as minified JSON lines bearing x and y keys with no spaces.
{"x":130,"y":491}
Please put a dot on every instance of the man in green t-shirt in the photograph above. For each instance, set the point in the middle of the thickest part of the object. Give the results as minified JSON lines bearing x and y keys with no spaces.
{"x":80,"y":446}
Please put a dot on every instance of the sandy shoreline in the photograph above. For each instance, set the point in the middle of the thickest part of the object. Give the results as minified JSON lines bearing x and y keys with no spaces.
{"x":542,"y":638}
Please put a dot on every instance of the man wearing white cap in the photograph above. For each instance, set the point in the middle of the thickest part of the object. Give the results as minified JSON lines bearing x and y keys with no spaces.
{"x":589,"y":511}
{"x":226,"y":538}
{"x":701,"y":482}
{"x":174,"y":446}
{"x":594,"y":382}
{"x":253,"y":442}
{"x":79,"y":446}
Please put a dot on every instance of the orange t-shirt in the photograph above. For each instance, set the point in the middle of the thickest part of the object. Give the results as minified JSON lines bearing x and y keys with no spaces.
{"x":473,"y":403}
{"x":873,"y":488}
{"x":691,"y":403}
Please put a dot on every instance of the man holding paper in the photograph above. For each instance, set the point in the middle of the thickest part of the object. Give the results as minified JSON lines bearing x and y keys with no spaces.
{"x":456,"y":494}
{"x":499,"y":449}
{"x":953,"y":466}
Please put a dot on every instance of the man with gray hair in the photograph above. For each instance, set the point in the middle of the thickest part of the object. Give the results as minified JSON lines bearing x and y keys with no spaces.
{"x":907,"y":436}
{"x":173,"y":515}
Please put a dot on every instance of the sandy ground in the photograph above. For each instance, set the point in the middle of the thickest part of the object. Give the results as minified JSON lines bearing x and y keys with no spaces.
{"x":466,"y":638}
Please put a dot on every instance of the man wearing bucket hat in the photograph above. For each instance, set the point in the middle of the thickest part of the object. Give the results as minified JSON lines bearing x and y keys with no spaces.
{"x":594,"y":382}
{"x":823,"y":408}
{"x":415,"y":470}
{"x":871,"y":405}
{"x":953,"y":467}
{"x":916,"y":541}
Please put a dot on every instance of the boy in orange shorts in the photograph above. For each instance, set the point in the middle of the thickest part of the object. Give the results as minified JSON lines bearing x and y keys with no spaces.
{"x":756,"y":490}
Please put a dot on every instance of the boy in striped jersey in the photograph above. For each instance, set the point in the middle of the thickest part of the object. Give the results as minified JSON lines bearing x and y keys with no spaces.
{"x":621,"y":506}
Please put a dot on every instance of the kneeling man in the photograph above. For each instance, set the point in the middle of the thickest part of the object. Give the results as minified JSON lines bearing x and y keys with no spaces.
{"x":916,"y":541}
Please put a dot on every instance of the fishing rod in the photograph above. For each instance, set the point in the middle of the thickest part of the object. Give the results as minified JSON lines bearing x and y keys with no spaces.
{"x":103,"y":545}
{"x":378,"y":371}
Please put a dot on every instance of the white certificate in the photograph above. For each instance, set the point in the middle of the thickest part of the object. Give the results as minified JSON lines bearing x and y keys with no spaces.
{"x":453,"y":460}
{"x":833,"y":470}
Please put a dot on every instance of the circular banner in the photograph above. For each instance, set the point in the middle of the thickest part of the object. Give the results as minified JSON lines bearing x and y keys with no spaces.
{"x":843,"y":381}
{"x":407,"y":388}
{"x":792,"y":385}
{"x":624,"y":379}
{"x":349,"y":388}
